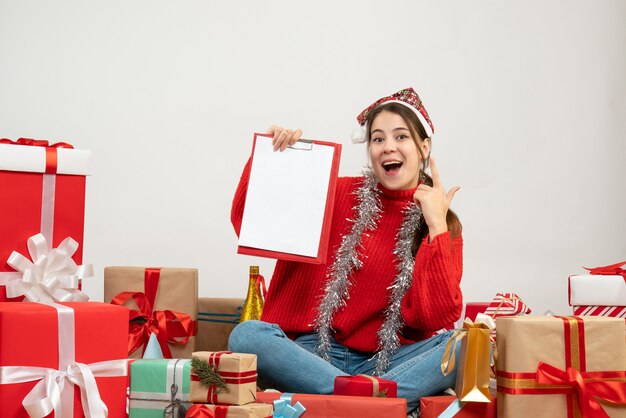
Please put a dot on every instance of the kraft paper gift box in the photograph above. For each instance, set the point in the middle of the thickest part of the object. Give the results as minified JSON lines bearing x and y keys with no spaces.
{"x":543,"y":361}
{"x":364,"y":385}
{"x":234,"y":374}
{"x":63,"y":341}
{"x":450,"y":406}
{"x":338,"y":406}
{"x":216,"y":319}
{"x":162,"y":300}
{"x":159,"y":387}
{"x":251,"y":410}
{"x":43,"y":191}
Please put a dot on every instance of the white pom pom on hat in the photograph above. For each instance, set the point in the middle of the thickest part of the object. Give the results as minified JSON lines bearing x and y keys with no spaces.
{"x":359,"y":136}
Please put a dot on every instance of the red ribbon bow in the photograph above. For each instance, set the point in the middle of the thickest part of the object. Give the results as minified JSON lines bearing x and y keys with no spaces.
{"x":614,"y":392}
{"x":608,"y":270}
{"x":202,"y":411}
{"x":36,"y":143}
{"x":169,"y":326}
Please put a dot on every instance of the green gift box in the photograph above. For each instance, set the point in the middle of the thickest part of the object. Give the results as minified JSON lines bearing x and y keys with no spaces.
{"x":159,"y":387}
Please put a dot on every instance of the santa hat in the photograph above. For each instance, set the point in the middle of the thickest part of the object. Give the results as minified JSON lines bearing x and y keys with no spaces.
{"x":407,"y":97}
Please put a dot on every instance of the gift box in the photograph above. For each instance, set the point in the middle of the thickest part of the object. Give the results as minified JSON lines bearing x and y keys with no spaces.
{"x":216,"y":319}
{"x":364,"y":385}
{"x":611,"y":311}
{"x":58,"y":349}
{"x":560,"y":366}
{"x":163,"y":301}
{"x":506,"y":304}
{"x":338,"y":406}
{"x":450,"y":406}
{"x":159,"y":387}
{"x":223,"y":378}
{"x":472,"y":309}
{"x":597,"y":290}
{"x":43,"y":191}
{"x":251,"y":410}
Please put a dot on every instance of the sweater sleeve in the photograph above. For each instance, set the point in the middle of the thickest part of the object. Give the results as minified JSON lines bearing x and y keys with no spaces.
{"x":434,"y":300}
{"x":239,"y":201}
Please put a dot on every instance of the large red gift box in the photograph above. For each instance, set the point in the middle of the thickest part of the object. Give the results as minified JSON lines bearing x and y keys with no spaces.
{"x":338,"y":406}
{"x":434,"y":406}
{"x":364,"y":385}
{"x":36,"y":339}
{"x":43,"y":190}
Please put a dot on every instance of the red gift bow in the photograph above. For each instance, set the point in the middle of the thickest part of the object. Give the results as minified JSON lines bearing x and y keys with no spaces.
{"x":614,"y":392}
{"x":612,"y":269}
{"x":169,"y":326}
{"x":201,"y":411}
{"x":36,"y":143}
{"x":51,"y":150}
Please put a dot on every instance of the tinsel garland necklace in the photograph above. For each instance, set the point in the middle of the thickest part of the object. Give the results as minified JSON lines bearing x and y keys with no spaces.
{"x":368,"y":211}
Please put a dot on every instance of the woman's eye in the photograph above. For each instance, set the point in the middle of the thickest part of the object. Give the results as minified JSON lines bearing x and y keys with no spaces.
{"x":402,"y":137}
{"x":377,"y":139}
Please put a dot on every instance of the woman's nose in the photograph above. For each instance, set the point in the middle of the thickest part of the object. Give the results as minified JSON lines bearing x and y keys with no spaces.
{"x":389,"y":145}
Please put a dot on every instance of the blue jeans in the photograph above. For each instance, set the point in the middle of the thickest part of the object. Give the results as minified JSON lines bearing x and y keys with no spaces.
{"x":293,"y":366}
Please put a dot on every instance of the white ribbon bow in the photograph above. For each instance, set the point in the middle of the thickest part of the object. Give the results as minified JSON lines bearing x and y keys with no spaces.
{"x":45,"y":397}
{"x":51,"y":276}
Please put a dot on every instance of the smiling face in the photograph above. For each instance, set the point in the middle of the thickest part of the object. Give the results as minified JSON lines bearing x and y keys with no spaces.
{"x":394,"y":153}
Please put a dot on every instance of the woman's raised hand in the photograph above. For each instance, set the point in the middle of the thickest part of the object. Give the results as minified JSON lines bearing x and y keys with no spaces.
{"x":282,"y":137}
{"x":434,"y":202}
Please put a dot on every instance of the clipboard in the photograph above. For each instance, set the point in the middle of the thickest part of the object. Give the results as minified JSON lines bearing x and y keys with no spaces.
{"x":290,"y":200}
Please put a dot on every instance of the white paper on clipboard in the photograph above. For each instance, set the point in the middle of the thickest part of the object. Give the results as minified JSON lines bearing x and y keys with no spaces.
{"x":286,"y":197}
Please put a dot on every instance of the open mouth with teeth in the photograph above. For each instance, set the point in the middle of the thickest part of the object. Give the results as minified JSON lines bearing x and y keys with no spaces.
{"x":392,"y":167}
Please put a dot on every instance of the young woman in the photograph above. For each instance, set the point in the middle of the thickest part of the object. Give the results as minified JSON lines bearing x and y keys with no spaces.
{"x":393,"y":273}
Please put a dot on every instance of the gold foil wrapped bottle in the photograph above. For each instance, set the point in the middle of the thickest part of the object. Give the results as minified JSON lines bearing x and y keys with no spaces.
{"x":253,"y":306}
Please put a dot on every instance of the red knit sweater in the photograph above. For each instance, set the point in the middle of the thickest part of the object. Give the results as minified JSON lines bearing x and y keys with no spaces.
{"x":433,"y":301}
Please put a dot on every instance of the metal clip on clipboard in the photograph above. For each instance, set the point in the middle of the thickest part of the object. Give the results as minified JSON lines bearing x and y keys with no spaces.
{"x":302,"y":145}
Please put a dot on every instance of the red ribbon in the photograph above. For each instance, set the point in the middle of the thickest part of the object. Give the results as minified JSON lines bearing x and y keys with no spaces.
{"x":260,"y":285}
{"x":586,"y":391}
{"x":36,"y":143}
{"x":51,"y":150}
{"x":169,"y":326}
{"x":202,"y":411}
{"x":608,"y":270}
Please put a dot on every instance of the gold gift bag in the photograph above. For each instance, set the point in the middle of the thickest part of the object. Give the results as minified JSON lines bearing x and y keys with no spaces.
{"x":472,"y":379}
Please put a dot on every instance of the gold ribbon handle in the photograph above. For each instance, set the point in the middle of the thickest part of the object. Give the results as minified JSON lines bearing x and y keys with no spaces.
{"x":448,"y":361}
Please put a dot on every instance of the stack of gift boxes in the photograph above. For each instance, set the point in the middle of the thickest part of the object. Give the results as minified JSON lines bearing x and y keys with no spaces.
{"x":61,"y":355}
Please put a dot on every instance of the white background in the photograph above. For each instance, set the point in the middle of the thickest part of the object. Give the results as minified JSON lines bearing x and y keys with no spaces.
{"x":528,"y":100}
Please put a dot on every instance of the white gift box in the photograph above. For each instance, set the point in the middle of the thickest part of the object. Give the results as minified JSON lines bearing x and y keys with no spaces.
{"x":597,"y":290}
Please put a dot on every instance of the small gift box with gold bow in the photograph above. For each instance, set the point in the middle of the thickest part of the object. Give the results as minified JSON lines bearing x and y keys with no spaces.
{"x":251,"y":410}
{"x":364,"y":385}
{"x":163,"y":301}
{"x":223,"y":377}
{"x":551,"y":367}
